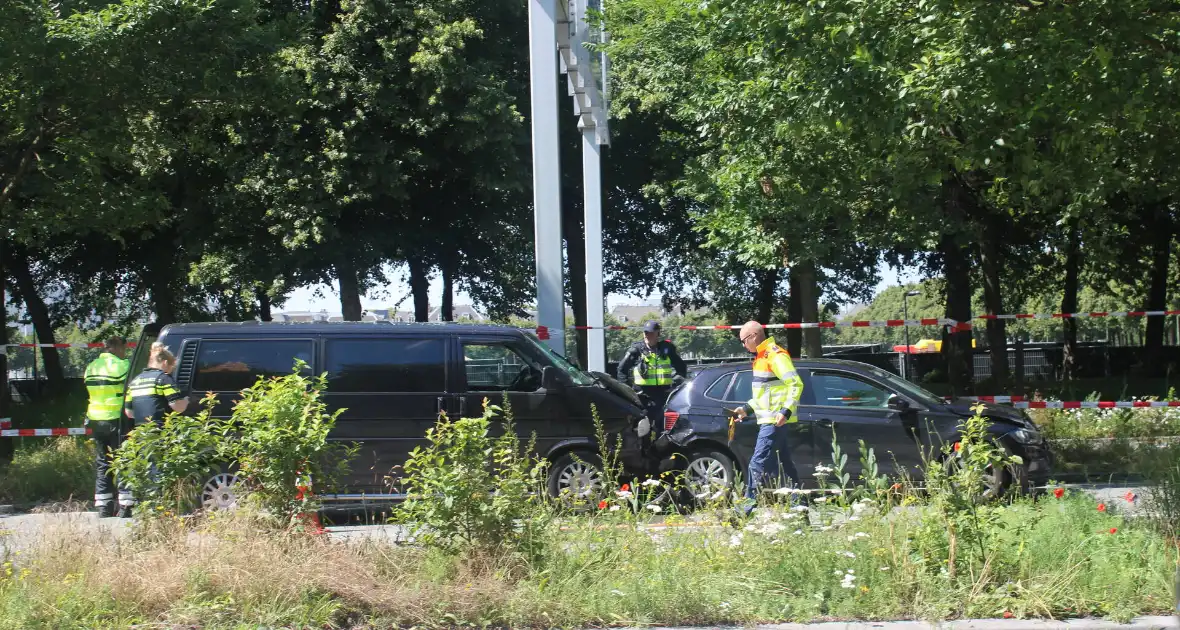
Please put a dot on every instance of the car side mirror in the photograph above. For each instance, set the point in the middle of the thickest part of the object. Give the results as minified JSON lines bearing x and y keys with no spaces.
{"x":551,"y":378}
{"x":897,"y":403}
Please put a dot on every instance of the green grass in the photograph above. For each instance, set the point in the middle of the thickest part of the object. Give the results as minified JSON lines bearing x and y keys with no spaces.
{"x":1053,"y":558}
{"x":49,"y":470}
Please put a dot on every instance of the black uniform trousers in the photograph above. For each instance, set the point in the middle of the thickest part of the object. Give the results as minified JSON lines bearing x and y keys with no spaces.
{"x":107,"y":434}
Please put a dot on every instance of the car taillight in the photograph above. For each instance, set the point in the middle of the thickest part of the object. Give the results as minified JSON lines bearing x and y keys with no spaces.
{"x":670,"y":418}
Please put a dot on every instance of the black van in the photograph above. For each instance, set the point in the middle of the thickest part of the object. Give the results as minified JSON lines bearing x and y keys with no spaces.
{"x":393,"y":380}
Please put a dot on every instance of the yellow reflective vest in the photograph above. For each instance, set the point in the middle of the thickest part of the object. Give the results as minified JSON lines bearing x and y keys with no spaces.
{"x":105,"y":377}
{"x":776,"y":385}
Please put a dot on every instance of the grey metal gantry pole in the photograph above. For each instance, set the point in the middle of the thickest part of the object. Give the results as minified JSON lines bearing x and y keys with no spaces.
{"x":546,"y":169}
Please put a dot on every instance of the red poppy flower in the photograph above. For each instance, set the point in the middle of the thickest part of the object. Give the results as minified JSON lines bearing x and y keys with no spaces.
{"x":957,"y":447}
{"x":1059,"y":492}
{"x":1130,"y":497}
{"x":626,"y":488}
{"x":602,"y":504}
{"x":896,"y":486}
{"x":1008,"y":614}
{"x":1114,"y":530}
{"x":1101,"y":507}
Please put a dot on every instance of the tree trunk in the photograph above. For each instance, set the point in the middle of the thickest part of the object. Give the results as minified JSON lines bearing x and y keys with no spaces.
{"x":956,"y":347}
{"x":6,"y":449}
{"x":1161,"y":230}
{"x":809,"y":306}
{"x":159,"y":282}
{"x":764,"y":300}
{"x":991,"y":264}
{"x":350,"y":289}
{"x":420,"y":288}
{"x":39,"y":314}
{"x":1069,"y":303}
{"x":794,"y":316}
{"x":575,"y":247}
{"x":447,"y":308}
{"x":264,"y":307}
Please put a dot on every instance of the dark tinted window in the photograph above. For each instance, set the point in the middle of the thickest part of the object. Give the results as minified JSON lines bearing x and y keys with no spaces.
{"x":716,"y":391}
{"x":492,"y":367}
{"x":841,"y":390}
{"x":743,"y":389}
{"x":386,"y":365}
{"x":234,"y":365}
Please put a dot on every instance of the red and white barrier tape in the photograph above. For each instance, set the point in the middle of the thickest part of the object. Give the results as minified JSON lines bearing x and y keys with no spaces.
{"x":896,"y":323}
{"x":1080,"y":315}
{"x":543,"y":331}
{"x":1022,"y":402}
{"x":795,"y":325}
{"x":60,"y":345}
{"x":44,"y":432}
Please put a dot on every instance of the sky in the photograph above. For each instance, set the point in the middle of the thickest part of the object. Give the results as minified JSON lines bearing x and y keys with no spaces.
{"x":306,"y":298}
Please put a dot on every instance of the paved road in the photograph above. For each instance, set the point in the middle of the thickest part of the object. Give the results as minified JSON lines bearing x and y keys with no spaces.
{"x":19,"y":531}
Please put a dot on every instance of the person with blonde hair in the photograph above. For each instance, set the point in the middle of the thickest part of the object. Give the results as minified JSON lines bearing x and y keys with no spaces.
{"x":150,"y":396}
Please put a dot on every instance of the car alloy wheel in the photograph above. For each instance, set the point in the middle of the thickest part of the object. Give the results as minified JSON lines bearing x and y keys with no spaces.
{"x":707,"y":474}
{"x":580,"y":480}
{"x":220,"y":492}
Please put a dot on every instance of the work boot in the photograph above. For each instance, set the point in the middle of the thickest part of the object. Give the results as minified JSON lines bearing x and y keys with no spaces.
{"x":106,"y":511}
{"x":125,"y":511}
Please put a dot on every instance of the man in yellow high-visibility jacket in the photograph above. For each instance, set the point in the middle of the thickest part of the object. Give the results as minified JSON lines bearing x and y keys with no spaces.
{"x":105,"y":378}
{"x":777,"y":388}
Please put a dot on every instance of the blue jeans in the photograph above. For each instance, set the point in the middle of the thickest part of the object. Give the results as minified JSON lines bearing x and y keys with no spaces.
{"x":771,"y":462}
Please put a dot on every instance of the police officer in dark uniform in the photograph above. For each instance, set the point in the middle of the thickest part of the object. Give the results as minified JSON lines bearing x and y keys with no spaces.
{"x":652,"y":367}
{"x":150,"y":397}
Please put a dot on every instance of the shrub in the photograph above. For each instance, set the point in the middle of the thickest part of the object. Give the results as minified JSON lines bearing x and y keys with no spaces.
{"x":277,"y":436}
{"x":164,"y":464}
{"x":468,"y":490}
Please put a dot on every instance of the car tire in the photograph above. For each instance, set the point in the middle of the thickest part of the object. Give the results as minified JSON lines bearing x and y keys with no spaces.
{"x":707,"y":472}
{"x":219,"y":490}
{"x":577,"y":477}
{"x":997,"y":484}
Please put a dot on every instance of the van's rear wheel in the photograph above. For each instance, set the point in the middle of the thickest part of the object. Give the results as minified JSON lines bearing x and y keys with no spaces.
{"x":221,"y":491}
{"x":708,"y":473}
{"x":576,"y":477}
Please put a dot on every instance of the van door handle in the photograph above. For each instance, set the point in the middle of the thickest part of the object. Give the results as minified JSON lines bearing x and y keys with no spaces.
{"x":442,"y":404}
{"x":823,"y":422}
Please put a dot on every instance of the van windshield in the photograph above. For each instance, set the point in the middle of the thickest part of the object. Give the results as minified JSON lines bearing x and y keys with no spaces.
{"x":578,"y":376}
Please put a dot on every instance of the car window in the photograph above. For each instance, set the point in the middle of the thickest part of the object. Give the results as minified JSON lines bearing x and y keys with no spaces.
{"x":386,"y":365}
{"x":841,"y":390}
{"x":230,"y":365}
{"x":742,"y":390}
{"x":497,"y":367}
{"x":716,"y":391}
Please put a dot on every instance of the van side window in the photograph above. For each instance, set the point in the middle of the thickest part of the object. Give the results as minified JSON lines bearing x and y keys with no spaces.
{"x":225,"y":365}
{"x":493,"y":367}
{"x":386,"y":365}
